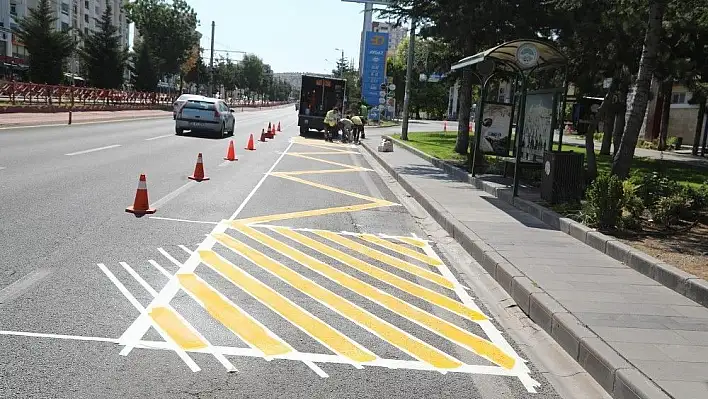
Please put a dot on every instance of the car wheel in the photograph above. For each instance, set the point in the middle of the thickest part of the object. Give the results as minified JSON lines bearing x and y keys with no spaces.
{"x":179,"y":131}
{"x":223,"y":131}
{"x":303,"y":130}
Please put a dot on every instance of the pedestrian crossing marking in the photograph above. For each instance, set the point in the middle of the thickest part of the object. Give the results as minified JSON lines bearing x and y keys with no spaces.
{"x":385,"y":258}
{"x":400,"y":249}
{"x":294,"y":314}
{"x":235,"y":319}
{"x":412,"y":241}
{"x":176,"y":329}
{"x":435,"y":324}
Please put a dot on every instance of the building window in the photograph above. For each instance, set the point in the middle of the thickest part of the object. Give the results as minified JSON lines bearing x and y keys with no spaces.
{"x":65,"y":8}
{"x":678,"y":98}
{"x":86,"y":31}
{"x":86,"y":4}
{"x":13,"y":9}
{"x":76,"y":9}
{"x":86,"y":18}
{"x":74,"y":24}
{"x":64,"y":26}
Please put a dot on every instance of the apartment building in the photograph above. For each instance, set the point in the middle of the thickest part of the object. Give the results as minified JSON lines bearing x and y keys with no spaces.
{"x":395,"y":34}
{"x":78,"y":15}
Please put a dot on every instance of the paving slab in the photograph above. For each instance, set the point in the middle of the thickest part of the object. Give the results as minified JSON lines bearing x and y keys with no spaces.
{"x":637,"y":337}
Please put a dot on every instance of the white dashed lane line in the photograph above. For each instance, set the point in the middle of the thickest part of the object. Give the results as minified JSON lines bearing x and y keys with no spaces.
{"x":160,"y":137}
{"x":93,"y":150}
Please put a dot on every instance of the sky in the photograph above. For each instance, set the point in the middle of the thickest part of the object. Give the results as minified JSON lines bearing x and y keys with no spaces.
{"x":290,"y":35}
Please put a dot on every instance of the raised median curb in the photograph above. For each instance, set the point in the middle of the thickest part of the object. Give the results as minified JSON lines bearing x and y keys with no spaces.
{"x":617,"y":376}
{"x":686,"y":284}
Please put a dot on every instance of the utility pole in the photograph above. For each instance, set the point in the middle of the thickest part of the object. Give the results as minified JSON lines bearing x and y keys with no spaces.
{"x":409,"y":76}
{"x":211,"y":62}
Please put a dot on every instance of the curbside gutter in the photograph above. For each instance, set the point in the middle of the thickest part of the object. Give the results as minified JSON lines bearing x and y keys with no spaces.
{"x":617,"y":376}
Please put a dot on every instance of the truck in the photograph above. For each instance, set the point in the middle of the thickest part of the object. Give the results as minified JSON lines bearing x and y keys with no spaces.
{"x":318,"y":94}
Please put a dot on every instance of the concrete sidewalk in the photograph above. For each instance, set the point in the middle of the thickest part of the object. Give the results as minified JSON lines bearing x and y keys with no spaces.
{"x":32,"y":119}
{"x":636,"y":337}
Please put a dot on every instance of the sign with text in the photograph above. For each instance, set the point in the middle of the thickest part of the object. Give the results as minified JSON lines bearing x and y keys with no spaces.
{"x":496,"y":125}
{"x":373,"y":72}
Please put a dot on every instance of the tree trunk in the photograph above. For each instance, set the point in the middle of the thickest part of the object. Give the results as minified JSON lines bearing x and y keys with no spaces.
{"x":666,"y":87}
{"x":607,"y":115}
{"x":640,"y":96}
{"x":620,"y":116}
{"x":699,"y":125}
{"x":463,"y":120}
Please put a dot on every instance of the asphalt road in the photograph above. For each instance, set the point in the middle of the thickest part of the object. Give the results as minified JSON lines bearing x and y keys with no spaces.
{"x":297,"y":271}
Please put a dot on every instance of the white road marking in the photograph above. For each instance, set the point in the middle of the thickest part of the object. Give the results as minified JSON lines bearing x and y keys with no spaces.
{"x":2,"y":167}
{"x":93,"y":150}
{"x":160,"y":137}
{"x":21,"y":286}
{"x":185,"y":249}
{"x":170,"y":257}
{"x":139,"y":279}
{"x":142,"y":324}
{"x":183,"y":220}
{"x":160,"y":268}
{"x":85,"y":123}
{"x":172,"y":195}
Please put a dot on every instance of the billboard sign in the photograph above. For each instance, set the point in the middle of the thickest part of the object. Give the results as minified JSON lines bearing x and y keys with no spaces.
{"x":373,"y":73}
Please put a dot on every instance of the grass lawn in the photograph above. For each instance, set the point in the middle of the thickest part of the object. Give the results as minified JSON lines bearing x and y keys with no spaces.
{"x":441,"y":145}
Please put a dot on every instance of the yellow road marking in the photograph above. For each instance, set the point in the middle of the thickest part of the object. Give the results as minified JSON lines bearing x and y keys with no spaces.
{"x":332,"y":338}
{"x":328,"y":188}
{"x":413,"y":241}
{"x":233,"y":318}
{"x":315,"y":212}
{"x":337,"y":152}
{"x":389,"y":278}
{"x":383,"y":329}
{"x":441,"y":327}
{"x":318,"y":144}
{"x":326,"y":161}
{"x":313,"y":172}
{"x":169,"y":322}
{"x":401,"y":249}
{"x":385,"y":258}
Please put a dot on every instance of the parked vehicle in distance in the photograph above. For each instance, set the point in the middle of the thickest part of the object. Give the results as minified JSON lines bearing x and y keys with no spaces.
{"x":180,"y":101}
{"x":209,"y":115}
{"x":318,"y":94}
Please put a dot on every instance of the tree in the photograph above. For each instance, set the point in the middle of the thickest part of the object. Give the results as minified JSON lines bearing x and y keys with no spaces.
{"x":640,"y":96}
{"x":103,"y":55}
{"x":199,"y":72}
{"x":250,"y":74}
{"x":169,"y":29}
{"x":189,"y":64}
{"x":145,"y":74}
{"x":48,"y":48}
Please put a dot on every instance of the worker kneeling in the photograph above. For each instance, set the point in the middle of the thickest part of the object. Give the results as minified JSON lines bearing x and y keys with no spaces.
{"x":347,"y":129}
{"x":358,"y":128}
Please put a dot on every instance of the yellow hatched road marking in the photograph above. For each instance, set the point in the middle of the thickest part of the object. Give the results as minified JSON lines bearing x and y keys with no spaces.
{"x":385,"y":258}
{"x":435,"y":324}
{"x":316,"y":212}
{"x":283,"y":175}
{"x":328,"y":162}
{"x":389,"y":278}
{"x":316,"y":172}
{"x":337,"y":152}
{"x":232,"y":317}
{"x":383,"y":329}
{"x":338,"y":342}
{"x":169,"y":322}
{"x":413,"y":241}
{"x":401,"y":249}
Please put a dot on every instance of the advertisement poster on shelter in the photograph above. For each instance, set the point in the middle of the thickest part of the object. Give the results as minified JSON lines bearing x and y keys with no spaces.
{"x":496,"y":120}
{"x":538,"y":126}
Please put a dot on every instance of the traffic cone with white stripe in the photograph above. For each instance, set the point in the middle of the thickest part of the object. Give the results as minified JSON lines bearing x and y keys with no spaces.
{"x":199,"y":170}
{"x":141,"y":205}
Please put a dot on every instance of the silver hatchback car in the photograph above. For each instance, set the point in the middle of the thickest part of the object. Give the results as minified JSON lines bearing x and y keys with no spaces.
{"x":209,"y":115}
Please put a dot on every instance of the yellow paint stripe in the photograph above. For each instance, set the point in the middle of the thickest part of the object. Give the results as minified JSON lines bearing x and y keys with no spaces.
{"x":233,"y":318}
{"x":337,"y":152}
{"x":318,"y":144}
{"x":325,"y":161}
{"x":413,"y":241}
{"x":385,"y":258}
{"x":335,"y":340}
{"x":389,"y":278}
{"x":401,"y":249}
{"x":175,"y":328}
{"x":383,"y":329}
{"x":443,"y":328}
{"x":313,"y":172}
{"x":314,"y":212}
{"x":328,"y":188}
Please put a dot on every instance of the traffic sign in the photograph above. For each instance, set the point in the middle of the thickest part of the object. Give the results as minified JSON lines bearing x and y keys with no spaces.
{"x":392,"y":86}
{"x":382,"y":100}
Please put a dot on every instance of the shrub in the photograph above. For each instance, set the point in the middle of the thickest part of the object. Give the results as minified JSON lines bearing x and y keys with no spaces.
{"x":633,"y":207}
{"x":669,"y":210}
{"x":650,"y":187}
{"x":605,"y":200}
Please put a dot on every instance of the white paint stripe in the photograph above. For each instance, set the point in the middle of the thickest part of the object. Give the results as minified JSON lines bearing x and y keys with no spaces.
{"x":172,"y":195}
{"x":160,"y":137}
{"x":121,"y":288}
{"x":182,"y":220}
{"x":140,"y":326}
{"x":22,"y":285}
{"x":316,"y":368}
{"x":93,"y":150}
{"x":160,"y":268}
{"x":185,"y":249}
{"x":85,"y":123}
{"x":2,"y":167}
{"x":170,"y":257}
{"x":59,"y":336}
{"x":139,"y":279}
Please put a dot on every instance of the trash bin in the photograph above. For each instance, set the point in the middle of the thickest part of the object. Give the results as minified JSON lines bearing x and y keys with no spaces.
{"x":563,"y":176}
{"x":679,"y":142}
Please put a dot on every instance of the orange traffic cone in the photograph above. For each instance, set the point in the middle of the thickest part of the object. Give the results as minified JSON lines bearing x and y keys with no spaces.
{"x":263,"y":136}
{"x":199,"y":170}
{"x":268,"y":127}
{"x":250,"y":146}
{"x":141,"y":205}
{"x":279,"y":126}
{"x":231,"y":154}
{"x":271,"y":132}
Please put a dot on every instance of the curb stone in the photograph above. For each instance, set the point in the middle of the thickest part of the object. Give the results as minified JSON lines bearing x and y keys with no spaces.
{"x":619,"y":378}
{"x":686,"y":284}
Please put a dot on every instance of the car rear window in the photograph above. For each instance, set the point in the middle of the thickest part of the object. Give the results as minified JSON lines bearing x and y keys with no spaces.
{"x":202,"y":105}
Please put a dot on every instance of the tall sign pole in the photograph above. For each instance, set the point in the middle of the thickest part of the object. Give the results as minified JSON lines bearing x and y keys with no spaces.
{"x":409,"y":76}
{"x":211,"y":62}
